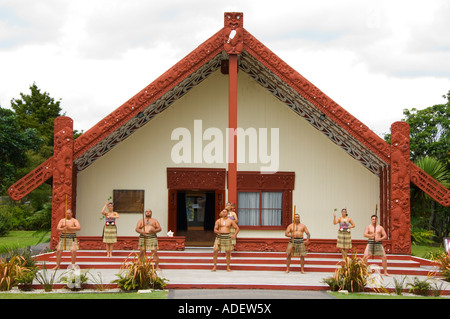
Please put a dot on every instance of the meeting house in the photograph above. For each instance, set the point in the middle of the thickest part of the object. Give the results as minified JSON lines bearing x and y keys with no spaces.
{"x":232,"y":123}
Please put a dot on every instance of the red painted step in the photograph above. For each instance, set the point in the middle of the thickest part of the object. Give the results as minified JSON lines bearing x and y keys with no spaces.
{"x":252,"y":261}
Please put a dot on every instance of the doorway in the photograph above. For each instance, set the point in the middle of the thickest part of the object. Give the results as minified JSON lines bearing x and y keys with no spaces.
{"x":196,"y":217}
{"x":200,"y":194}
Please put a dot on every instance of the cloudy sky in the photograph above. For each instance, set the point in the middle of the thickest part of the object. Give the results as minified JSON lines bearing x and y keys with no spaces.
{"x":374,"y":58}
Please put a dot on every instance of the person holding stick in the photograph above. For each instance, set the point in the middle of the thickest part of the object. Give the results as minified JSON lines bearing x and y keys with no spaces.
{"x":296,"y":246}
{"x":68,"y":226}
{"x":223,"y":241}
{"x":110,"y":228}
{"x":344,"y":238}
{"x":376,"y":234}
{"x":148,"y":227}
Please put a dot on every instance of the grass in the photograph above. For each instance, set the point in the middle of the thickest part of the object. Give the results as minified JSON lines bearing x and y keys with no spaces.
{"x":160,"y":294}
{"x":381,"y":296}
{"x":21,"y":239}
{"x":423,"y":251}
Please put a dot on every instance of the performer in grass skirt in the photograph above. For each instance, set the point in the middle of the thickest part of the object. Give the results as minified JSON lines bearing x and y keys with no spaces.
{"x":68,"y":227}
{"x":110,"y":228}
{"x":344,"y":238}
{"x":147,"y":228}
{"x":375,"y":234}
{"x":223,"y":241}
{"x":296,"y":246}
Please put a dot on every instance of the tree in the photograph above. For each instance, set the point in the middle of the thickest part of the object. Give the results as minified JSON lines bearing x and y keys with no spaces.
{"x":430,"y":149}
{"x":39,"y":111}
{"x":14,"y":144}
{"x":429,"y":131}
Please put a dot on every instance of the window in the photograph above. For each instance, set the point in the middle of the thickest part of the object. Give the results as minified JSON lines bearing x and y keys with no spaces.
{"x":260,"y":208}
{"x":128,"y":201}
{"x":264,"y":200}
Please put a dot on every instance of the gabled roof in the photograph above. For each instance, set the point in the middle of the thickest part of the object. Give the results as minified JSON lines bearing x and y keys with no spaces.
{"x":263,"y":66}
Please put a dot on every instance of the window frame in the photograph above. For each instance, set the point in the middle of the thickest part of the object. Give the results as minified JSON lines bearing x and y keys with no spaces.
{"x":249,"y":181}
{"x":260,"y":210}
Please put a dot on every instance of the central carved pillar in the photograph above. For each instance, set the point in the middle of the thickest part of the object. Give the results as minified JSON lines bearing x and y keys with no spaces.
{"x":62,"y":173}
{"x":400,"y":219}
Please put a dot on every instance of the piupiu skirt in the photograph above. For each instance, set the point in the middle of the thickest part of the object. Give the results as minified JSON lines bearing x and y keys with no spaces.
{"x":150,"y":240}
{"x":110,"y":234}
{"x":223,"y":242}
{"x":375,"y":248}
{"x":296,"y":247}
{"x":344,"y":239}
{"x":66,"y":241}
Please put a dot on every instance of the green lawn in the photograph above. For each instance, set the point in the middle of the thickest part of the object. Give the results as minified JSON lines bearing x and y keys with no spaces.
{"x":21,"y":239}
{"x":381,"y":296}
{"x":423,"y":251}
{"x":162,"y":294}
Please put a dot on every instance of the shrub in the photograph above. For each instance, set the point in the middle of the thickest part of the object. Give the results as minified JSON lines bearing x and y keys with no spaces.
{"x":351,"y":276}
{"x":420,"y":287}
{"x":442,"y":262}
{"x":139,"y":273}
{"x":24,"y":278}
{"x":8,"y":272}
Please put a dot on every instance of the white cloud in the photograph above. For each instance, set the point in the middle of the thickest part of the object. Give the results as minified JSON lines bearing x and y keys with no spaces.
{"x":374,"y":58}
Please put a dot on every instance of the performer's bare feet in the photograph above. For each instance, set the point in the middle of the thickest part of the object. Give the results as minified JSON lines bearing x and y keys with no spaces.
{"x":214,"y":268}
{"x":302,"y":271}
{"x":229,"y":270}
{"x":287,"y":270}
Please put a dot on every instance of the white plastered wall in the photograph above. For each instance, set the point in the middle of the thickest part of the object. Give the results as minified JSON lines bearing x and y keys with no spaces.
{"x":326,"y":177}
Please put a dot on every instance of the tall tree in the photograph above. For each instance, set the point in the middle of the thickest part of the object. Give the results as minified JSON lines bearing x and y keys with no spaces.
{"x":37,"y":110}
{"x":430,"y":131}
{"x":14,"y":144}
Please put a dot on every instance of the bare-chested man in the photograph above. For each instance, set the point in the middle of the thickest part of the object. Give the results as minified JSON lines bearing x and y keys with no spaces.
{"x":68,"y":227}
{"x":296,"y":246}
{"x":223,"y":241}
{"x":376,"y":234}
{"x":148,"y":227}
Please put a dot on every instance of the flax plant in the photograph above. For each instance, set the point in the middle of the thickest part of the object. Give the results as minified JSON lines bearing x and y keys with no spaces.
{"x":46,"y":279}
{"x":8,"y":272}
{"x":353,"y":274}
{"x":139,"y":273}
{"x":442,"y":265}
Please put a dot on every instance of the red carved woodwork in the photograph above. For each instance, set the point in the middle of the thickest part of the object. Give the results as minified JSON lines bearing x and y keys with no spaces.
{"x":429,"y":185}
{"x":196,"y":178}
{"x":130,"y":243}
{"x":32,"y":180}
{"x":233,"y":39}
{"x":314,"y":245}
{"x":62,"y":173}
{"x":400,"y":189}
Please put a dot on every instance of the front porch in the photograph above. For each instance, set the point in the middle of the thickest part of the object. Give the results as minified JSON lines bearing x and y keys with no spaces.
{"x":191,"y":269}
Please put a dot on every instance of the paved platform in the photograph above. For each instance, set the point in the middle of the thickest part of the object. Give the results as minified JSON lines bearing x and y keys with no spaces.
{"x":191,"y":271}
{"x":199,"y":282}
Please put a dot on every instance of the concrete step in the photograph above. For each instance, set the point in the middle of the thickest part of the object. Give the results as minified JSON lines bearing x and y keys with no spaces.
{"x":202,"y":258}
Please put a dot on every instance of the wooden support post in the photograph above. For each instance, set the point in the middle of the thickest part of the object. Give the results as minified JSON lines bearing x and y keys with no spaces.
{"x":62,"y":173}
